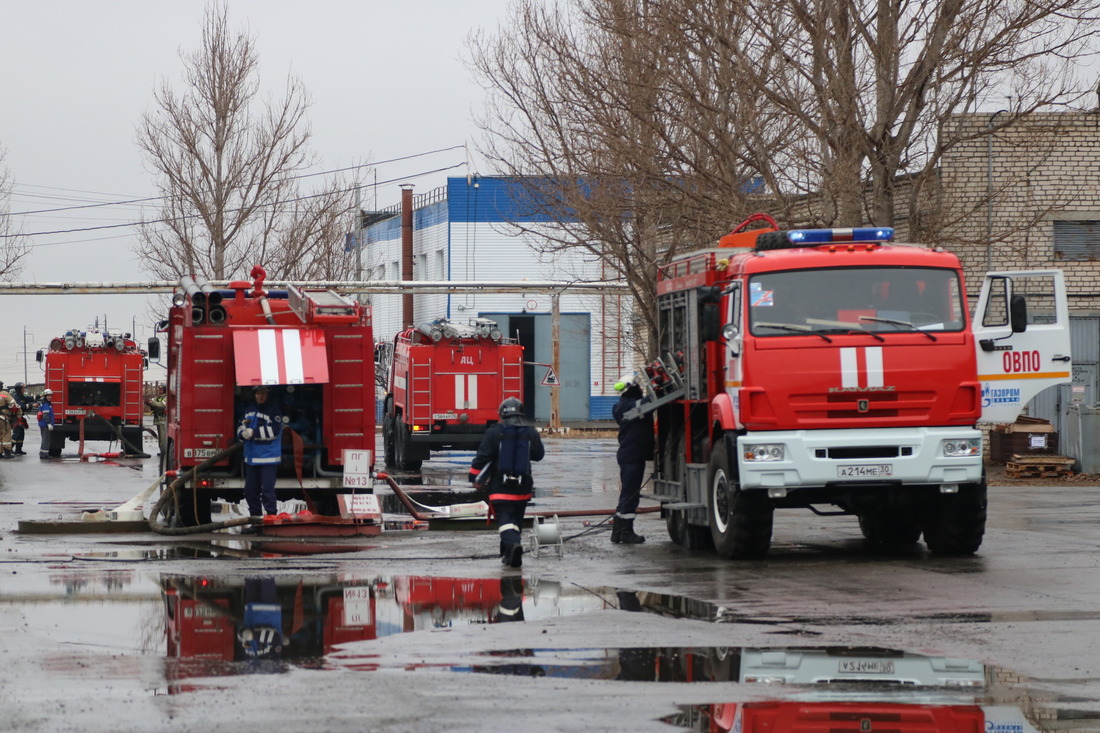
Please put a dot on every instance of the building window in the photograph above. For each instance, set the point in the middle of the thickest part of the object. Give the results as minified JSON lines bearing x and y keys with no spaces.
{"x":440,"y":265}
{"x":1077,"y":241}
{"x":422,"y":267}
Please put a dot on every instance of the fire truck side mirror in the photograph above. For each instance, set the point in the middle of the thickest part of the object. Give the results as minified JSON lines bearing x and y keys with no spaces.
{"x":710,"y":324}
{"x":154,"y":348}
{"x":1017,"y":313}
{"x":38,"y":356}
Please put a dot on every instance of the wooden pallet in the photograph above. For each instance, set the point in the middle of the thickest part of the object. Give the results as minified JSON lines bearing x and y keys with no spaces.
{"x":1039,"y":466}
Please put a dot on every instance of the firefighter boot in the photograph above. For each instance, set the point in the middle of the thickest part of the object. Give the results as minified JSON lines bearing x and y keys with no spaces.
{"x":616,"y":529}
{"x":19,"y":450}
{"x":626,"y":534}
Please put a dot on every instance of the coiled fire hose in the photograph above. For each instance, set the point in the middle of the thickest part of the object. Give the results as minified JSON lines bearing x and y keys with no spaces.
{"x":179,"y":483}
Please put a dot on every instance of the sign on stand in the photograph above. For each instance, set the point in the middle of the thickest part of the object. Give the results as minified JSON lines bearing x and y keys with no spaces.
{"x":357,"y":469}
{"x":551,"y":378}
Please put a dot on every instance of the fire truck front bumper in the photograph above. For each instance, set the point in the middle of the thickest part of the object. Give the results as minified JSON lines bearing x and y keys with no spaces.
{"x":894,"y":456}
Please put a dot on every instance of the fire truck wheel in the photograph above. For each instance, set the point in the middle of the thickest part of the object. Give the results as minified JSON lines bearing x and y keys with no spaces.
{"x":403,"y":451}
{"x":388,"y":447}
{"x":688,"y":536}
{"x":740,"y":522}
{"x":894,"y":525}
{"x":57,"y":442}
{"x":955,"y":523}
{"x":193,"y":512}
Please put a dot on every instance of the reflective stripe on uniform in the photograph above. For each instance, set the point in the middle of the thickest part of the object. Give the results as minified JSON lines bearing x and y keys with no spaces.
{"x":507,"y":528}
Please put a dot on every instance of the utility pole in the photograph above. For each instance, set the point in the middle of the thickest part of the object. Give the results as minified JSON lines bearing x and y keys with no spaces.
{"x":25,"y":380}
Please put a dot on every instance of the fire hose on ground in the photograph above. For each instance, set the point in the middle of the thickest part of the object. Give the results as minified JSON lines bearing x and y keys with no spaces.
{"x":180,"y":481}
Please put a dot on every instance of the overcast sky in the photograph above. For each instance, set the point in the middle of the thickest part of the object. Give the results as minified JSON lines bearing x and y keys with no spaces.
{"x":386,"y":80}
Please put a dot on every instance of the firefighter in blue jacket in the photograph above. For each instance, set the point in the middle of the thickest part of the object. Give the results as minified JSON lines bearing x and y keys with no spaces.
{"x":635,"y":448}
{"x":261,"y":429}
{"x":504,"y":461}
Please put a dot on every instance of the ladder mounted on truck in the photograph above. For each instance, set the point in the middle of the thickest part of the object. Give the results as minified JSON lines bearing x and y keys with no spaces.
{"x":671,"y":386}
{"x":321,"y":306}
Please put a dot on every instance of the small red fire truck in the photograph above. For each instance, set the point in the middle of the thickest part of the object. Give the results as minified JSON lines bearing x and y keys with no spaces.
{"x":312,"y":348}
{"x":834,"y":371}
{"x":97,"y":379}
{"x":446,"y":381}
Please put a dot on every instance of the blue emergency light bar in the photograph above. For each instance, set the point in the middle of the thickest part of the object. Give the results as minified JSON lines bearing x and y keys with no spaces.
{"x":830,"y":236}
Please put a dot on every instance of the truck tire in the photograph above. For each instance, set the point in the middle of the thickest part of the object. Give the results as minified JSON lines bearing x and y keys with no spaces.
{"x":388,"y":449}
{"x":954,"y":524}
{"x":133,"y":436}
{"x":892,"y":525}
{"x":403,"y":454}
{"x":740,"y":522}
{"x":57,"y":442}
{"x":193,"y":510}
{"x":688,"y":536}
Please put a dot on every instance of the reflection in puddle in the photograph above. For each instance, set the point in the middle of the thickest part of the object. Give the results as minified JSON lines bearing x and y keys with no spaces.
{"x":202,"y":627}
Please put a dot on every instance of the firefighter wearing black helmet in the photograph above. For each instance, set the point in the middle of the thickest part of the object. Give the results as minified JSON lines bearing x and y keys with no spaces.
{"x":503,"y":465}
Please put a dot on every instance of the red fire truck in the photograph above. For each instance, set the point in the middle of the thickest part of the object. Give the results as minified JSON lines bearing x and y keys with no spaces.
{"x":834,"y":371}
{"x":97,"y":378}
{"x":312,"y":348}
{"x":445,"y":383}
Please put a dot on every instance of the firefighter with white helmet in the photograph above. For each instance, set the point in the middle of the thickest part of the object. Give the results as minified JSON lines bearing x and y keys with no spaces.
{"x":504,"y":462}
{"x":635,"y":448}
{"x":45,"y":422}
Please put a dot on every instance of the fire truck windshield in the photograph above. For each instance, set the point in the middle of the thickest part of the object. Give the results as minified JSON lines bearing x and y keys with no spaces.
{"x":840,"y":300}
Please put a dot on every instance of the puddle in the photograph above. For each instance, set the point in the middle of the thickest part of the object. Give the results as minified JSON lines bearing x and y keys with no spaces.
{"x":224,"y":549}
{"x":199,"y":628}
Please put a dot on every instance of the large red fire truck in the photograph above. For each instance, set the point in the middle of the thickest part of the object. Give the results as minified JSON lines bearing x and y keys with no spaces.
{"x":834,"y":371}
{"x":97,"y":379}
{"x":445,"y":383}
{"x":312,"y":348}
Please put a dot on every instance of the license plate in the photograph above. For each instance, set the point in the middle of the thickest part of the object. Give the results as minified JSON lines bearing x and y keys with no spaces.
{"x":205,"y":452}
{"x":445,"y":416}
{"x":866,"y":666}
{"x":882,"y":470}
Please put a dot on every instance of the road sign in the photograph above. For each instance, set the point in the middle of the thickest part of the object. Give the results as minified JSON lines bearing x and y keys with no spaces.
{"x":551,"y":378}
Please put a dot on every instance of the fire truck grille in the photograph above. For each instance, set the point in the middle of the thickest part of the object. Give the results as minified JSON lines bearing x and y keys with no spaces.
{"x":862,"y":405}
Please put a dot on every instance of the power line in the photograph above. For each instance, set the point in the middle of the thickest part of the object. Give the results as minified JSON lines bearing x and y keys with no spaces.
{"x":196,"y":216}
{"x":289,"y":178}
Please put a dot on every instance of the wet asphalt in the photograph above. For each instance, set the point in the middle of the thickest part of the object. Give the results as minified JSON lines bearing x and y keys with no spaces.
{"x":410,"y":630}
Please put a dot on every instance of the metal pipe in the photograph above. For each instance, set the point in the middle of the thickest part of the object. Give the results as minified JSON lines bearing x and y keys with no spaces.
{"x":407,"y":251}
{"x":989,"y":191}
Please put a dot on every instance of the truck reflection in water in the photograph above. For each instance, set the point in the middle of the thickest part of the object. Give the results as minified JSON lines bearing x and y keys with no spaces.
{"x":225,"y":626}
{"x":217,"y":626}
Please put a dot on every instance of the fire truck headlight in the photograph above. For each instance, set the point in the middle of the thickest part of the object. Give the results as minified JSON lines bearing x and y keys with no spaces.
{"x":764,"y":452}
{"x":962,"y":448}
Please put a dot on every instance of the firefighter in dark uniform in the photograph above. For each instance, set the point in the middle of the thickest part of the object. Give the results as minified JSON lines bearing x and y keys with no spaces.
{"x":504,"y":461}
{"x":635,"y":448}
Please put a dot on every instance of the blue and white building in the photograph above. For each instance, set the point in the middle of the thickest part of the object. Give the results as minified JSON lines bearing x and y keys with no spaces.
{"x":464,"y":232}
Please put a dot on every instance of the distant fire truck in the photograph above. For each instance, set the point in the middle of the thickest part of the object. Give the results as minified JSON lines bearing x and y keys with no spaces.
{"x":835,"y":371}
{"x":445,"y":383}
{"x":98,"y":379}
{"x":312,"y":348}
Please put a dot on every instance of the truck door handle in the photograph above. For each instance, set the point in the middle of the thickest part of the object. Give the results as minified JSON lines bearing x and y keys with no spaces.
{"x":1060,"y":358}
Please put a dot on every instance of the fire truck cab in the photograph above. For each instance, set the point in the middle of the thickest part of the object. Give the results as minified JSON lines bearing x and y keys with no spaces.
{"x":835,"y":371}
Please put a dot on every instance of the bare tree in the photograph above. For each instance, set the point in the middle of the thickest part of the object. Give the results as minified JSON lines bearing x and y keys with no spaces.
{"x":622,"y":123}
{"x":228,"y":173}
{"x":657,"y":125}
{"x":14,"y":246}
